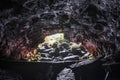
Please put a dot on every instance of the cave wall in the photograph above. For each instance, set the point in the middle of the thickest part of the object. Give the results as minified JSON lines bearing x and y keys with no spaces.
{"x":21,"y":23}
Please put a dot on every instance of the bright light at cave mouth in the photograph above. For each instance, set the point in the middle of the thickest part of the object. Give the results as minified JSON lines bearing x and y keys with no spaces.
{"x":54,"y":38}
{"x":57,"y":48}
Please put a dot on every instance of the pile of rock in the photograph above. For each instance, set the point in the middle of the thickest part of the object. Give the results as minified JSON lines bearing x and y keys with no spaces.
{"x":60,"y":51}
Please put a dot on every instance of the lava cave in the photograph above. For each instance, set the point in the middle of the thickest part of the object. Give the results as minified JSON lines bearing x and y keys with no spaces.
{"x":59,"y":40}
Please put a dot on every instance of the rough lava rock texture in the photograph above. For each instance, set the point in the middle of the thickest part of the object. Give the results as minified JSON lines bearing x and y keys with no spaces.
{"x":21,"y":22}
{"x":66,"y":74}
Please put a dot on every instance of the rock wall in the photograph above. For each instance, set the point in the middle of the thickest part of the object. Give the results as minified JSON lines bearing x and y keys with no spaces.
{"x":21,"y":23}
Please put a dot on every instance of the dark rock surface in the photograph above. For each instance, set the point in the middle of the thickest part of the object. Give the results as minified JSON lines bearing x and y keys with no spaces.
{"x":6,"y":75}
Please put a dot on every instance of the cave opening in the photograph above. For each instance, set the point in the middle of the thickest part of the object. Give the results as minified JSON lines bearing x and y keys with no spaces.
{"x":31,"y":27}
